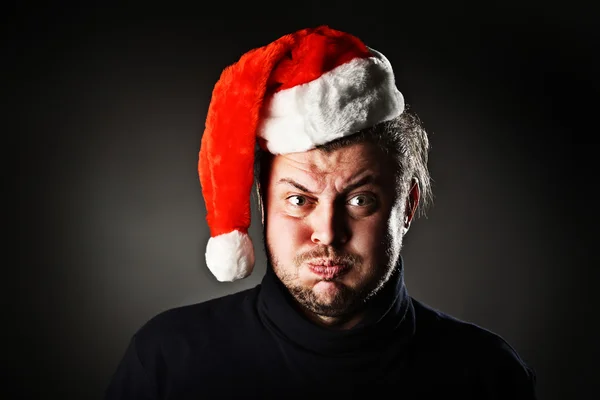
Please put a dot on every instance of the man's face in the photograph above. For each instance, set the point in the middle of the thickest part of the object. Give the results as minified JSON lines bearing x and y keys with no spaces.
{"x":334,"y":225}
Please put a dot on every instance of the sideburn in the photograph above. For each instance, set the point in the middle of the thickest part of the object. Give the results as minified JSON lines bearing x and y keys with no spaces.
{"x":263,"y":162}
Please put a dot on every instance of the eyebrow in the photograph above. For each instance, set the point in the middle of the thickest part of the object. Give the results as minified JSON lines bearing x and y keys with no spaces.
{"x":294,"y":184}
{"x":363,"y":181}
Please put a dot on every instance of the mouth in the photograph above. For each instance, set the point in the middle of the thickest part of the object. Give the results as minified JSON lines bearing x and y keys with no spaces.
{"x":328,"y":269}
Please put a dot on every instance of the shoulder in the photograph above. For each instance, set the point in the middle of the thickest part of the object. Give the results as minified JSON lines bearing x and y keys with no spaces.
{"x":199,"y":321}
{"x":480,"y":353}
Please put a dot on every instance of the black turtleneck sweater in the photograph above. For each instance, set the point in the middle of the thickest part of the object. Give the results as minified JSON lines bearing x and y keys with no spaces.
{"x":255,"y":344}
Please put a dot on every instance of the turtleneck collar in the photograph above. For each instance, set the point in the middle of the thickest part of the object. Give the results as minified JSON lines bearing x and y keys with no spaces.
{"x":389,"y":313}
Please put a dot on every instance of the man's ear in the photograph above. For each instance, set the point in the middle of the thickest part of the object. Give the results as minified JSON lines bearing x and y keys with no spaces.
{"x":412,"y":202}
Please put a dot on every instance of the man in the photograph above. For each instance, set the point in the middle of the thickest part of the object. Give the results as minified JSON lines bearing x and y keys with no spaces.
{"x":341,"y":172}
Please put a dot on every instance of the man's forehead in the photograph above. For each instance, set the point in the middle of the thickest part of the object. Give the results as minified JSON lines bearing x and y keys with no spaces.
{"x":341,"y":170}
{"x":357,"y":156}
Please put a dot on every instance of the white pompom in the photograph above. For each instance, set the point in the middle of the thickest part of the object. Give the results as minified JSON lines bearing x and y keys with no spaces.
{"x":230,"y":256}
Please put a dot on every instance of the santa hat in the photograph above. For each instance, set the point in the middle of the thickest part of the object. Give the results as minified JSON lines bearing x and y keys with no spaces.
{"x":304,"y":89}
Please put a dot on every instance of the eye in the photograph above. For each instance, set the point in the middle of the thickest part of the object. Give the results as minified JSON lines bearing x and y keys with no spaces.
{"x":297,"y":200}
{"x":362,"y":200}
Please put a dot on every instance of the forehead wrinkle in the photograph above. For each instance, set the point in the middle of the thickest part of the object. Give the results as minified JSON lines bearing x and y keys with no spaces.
{"x":307,"y":169}
{"x":340,"y":168}
{"x":324,"y":163}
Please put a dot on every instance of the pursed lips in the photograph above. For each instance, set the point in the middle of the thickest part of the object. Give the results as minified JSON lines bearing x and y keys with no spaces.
{"x":327,"y":268}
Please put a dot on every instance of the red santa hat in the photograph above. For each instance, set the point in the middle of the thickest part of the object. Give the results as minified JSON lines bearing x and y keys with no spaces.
{"x":304,"y":89}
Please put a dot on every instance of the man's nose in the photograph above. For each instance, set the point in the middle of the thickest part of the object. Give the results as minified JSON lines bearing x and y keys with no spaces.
{"x":329,"y":225}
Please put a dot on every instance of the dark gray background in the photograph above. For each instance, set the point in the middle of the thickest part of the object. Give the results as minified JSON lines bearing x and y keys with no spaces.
{"x":105,"y":109}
